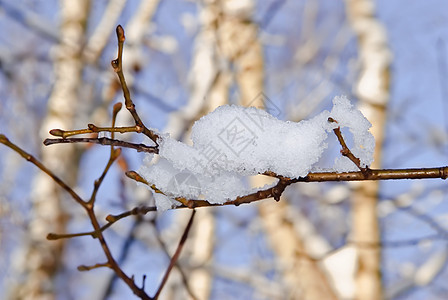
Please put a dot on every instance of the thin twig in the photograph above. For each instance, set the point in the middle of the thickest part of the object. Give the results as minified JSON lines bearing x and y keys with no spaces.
{"x":92,"y":129}
{"x":177,"y":265}
{"x":141,"y":210}
{"x":345,"y":151}
{"x":176,"y":255}
{"x":104,"y":141}
{"x":111,"y":262}
{"x":124,"y":252}
{"x":115,"y":153}
{"x":4,"y":140}
{"x":89,"y":207}
{"x":117,"y":64}
{"x":111,"y":219}
{"x":95,"y":266}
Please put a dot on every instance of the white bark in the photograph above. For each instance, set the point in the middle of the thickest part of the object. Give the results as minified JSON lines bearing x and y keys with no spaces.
{"x":372,"y":90}
{"x":303,"y":277}
{"x":209,"y":82}
{"x":42,"y":258}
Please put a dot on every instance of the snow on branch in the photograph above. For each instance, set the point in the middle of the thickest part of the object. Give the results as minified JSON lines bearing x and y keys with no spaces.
{"x":233,"y":142}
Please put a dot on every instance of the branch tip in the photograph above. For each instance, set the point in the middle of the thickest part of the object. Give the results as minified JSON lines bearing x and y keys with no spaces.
{"x":137,"y":177}
{"x":120,"y":34}
{"x":52,"y":236}
{"x":116,"y":153}
{"x":57,"y":132}
{"x":84,"y":268}
{"x":331,"y":120}
{"x":3,"y":139}
{"x":117,"y":107}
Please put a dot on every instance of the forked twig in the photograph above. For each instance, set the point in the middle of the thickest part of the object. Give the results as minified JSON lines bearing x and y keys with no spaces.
{"x":89,"y":207}
{"x":117,"y":64}
{"x":176,"y":255}
{"x":345,"y":151}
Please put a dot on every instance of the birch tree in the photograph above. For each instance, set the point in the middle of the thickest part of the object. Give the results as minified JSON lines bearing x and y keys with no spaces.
{"x":43,"y":260}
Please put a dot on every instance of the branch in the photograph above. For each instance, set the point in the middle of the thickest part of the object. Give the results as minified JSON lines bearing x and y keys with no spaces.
{"x":5,"y":141}
{"x":345,"y":151}
{"x":93,"y":129}
{"x":181,"y":271}
{"x":277,"y":190}
{"x":95,"y":266}
{"x":117,"y":64}
{"x":104,"y":141}
{"x":176,"y":255}
{"x":111,"y":219}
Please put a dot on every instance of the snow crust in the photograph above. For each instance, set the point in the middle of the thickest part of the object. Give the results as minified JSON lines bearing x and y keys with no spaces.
{"x":234,"y":142}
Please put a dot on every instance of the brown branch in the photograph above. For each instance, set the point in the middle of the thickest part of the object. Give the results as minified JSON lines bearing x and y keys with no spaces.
{"x":5,"y":141}
{"x":115,"y":153}
{"x":130,"y":106}
{"x":176,"y":255}
{"x":177,"y":265}
{"x":89,"y":207}
{"x":104,"y":141}
{"x":111,"y":262}
{"x":277,"y":190}
{"x":111,"y":219}
{"x":345,"y":151}
{"x":141,"y":210}
{"x":92,"y":129}
{"x":95,"y":266}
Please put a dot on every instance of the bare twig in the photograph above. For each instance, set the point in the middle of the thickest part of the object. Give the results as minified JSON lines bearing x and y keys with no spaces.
{"x":117,"y":64}
{"x":4,"y":140}
{"x":141,"y":210}
{"x":176,"y":255}
{"x":104,"y":141}
{"x":124,"y":252}
{"x":277,"y":190}
{"x":111,"y":262}
{"x":95,"y":266}
{"x":181,"y":271}
{"x":111,"y":219}
{"x":89,"y":207}
{"x":345,"y":151}
{"x":92,"y":129}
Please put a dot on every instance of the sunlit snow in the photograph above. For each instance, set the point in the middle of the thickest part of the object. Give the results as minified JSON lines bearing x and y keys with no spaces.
{"x":233,"y":142}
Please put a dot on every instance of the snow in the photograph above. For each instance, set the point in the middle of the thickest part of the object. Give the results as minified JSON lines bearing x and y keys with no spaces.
{"x":234,"y":142}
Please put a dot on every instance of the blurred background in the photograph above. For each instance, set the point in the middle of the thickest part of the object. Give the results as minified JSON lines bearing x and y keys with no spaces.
{"x":182,"y":59}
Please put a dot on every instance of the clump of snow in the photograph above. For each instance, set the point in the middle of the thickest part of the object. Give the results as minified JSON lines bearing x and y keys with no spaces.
{"x":233,"y":142}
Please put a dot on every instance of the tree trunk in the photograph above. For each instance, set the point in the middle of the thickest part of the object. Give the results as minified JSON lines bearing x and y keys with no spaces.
{"x":372,"y":90}
{"x":43,"y":258}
